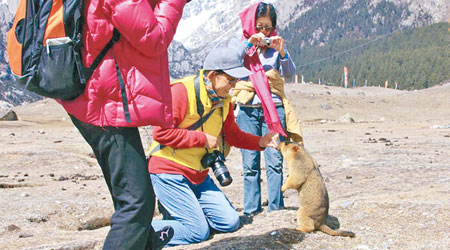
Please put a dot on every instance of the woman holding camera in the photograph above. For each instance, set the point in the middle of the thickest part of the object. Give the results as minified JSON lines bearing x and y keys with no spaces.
{"x":181,"y":156}
{"x":262,"y":48}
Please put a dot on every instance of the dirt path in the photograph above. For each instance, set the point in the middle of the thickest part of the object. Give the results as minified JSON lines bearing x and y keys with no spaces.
{"x":387,"y":174}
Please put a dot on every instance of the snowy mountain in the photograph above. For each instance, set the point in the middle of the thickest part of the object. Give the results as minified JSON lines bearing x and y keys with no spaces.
{"x":210,"y":22}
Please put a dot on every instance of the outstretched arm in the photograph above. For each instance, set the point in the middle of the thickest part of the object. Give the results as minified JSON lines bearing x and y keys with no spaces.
{"x":240,"y":139}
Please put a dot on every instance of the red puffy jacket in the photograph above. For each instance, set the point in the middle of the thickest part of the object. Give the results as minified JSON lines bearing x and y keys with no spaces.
{"x":147,"y":27}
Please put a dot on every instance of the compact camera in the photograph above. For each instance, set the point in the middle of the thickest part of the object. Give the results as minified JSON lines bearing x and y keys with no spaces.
{"x":215,"y":160}
{"x":267,"y":41}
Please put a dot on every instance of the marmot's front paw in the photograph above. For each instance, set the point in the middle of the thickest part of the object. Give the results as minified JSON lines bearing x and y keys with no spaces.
{"x":283,"y":188}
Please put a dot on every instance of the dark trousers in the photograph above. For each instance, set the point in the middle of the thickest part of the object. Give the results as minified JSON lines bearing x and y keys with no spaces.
{"x":121,"y":156}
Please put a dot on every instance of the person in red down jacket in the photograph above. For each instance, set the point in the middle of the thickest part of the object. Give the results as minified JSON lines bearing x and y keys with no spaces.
{"x":129,"y":88}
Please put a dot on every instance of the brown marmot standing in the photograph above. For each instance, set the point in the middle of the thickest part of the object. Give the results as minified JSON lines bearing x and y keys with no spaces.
{"x":304,"y":176}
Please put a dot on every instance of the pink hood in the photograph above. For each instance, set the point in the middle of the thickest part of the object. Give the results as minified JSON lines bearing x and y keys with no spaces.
{"x":259,"y":78}
{"x":147,"y":28}
{"x":248,"y":21}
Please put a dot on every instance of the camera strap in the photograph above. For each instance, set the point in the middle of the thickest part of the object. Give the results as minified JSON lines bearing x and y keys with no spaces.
{"x":200,"y":110}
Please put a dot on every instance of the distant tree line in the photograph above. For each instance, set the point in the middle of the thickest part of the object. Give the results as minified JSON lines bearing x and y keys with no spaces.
{"x":416,"y":58}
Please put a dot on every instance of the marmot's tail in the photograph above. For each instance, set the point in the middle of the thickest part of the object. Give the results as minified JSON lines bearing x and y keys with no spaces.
{"x":324,"y":228}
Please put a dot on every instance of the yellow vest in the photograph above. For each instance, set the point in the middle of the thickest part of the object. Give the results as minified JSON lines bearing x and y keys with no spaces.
{"x":190,"y":157}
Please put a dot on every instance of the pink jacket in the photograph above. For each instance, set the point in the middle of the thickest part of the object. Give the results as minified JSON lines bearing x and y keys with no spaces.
{"x":147,"y":28}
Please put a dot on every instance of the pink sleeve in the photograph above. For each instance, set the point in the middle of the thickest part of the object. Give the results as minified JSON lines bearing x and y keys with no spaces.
{"x":238,"y":138}
{"x":179,"y":137}
{"x":149,"y":31}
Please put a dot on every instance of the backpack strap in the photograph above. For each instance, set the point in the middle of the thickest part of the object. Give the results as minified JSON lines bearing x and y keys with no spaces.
{"x":90,"y":70}
{"x":200,"y":110}
{"x":124,"y":93}
{"x":115,"y":38}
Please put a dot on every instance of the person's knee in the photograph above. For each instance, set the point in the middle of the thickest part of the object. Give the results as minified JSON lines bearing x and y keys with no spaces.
{"x":233,"y":222}
{"x":198,"y":233}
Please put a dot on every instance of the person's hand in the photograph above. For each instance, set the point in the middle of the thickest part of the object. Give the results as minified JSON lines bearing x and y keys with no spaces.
{"x":269,"y":140}
{"x":278,"y":45}
{"x":255,"y":39}
{"x":211,"y":142}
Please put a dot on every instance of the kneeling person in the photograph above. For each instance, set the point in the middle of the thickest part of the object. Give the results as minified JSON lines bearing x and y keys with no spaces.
{"x":181,"y":182}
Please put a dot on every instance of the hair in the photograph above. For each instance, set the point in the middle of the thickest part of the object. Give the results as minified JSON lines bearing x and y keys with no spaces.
{"x":219,"y":71}
{"x":267,"y":9}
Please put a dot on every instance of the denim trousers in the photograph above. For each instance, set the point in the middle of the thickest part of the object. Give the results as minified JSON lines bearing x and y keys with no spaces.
{"x":120,"y":154}
{"x":251,"y":120}
{"x":193,"y":209}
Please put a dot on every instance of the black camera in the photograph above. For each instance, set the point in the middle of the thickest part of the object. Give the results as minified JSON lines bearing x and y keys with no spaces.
{"x":215,"y":160}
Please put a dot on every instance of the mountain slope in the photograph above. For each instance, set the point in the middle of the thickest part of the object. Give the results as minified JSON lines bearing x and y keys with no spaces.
{"x":416,"y":58}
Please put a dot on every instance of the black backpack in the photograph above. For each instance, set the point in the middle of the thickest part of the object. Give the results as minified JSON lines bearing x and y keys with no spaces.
{"x":44,"y":48}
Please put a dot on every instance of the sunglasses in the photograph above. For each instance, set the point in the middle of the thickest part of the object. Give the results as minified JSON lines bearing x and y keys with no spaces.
{"x":268,"y":28}
{"x":231,"y":80}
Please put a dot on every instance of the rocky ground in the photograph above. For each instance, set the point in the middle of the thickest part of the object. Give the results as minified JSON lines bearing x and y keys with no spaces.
{"x":387,"y":173}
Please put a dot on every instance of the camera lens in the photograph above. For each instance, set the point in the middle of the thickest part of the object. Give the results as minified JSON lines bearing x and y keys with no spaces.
{"x":215,"y":160}
{"x":222,"y":174}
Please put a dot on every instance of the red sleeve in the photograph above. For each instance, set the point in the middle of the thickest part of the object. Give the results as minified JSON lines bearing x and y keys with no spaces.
{"x":179,"y":137}
{"x":149,"y":30}
{"x":238,"y":138}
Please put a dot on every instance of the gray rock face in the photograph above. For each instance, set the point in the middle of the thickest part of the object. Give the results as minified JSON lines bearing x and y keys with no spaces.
{"x":9,"y":91}
{"x":181,"y":62}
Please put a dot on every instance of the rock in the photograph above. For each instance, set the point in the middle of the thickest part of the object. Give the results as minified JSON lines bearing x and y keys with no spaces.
{"x":346,"y":119}
{"x":25,"y":235}
{"x":94,"y":223}
{"x":38,"y":218}
{"x":346,"y":204}
{"x":12,"y":228}
{"x":63,"y":178}
{"x":325,"y":106}
{"x":9,"y":116}
{"x":5,"y":111}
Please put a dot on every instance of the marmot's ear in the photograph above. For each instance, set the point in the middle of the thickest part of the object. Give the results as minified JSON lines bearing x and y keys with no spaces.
{"x":296,"y":148}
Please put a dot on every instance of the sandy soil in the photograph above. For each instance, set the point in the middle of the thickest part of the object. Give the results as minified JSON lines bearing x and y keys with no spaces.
{"x":388,"y":176}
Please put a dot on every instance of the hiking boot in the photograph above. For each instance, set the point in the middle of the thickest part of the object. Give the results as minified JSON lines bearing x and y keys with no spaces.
{"x":161,"y":238}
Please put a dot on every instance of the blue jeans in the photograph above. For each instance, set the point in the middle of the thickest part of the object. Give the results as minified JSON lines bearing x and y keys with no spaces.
{"x":193,"y":208}
{"x":251,"y":120}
